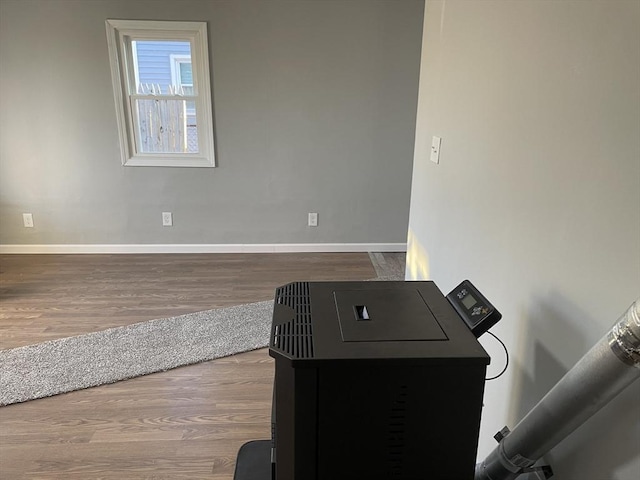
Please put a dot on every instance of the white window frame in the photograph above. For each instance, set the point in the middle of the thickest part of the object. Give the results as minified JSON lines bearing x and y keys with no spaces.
{"x":120,"y":34}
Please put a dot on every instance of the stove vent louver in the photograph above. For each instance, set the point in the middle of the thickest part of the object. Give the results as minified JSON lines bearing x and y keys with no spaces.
{"x":294,"y":337}
{"x":397,"y":423}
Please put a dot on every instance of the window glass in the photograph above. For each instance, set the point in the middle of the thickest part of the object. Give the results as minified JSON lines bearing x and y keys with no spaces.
{"x":153,"y":66}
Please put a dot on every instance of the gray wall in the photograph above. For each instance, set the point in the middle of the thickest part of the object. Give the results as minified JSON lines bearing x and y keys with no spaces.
{"x":537,"y":196}
{"x":314,"y":105}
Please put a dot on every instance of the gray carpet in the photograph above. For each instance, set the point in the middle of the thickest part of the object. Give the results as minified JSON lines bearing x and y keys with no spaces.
{"x":108,"y":356}
{"x":73,"y":363}
{"x":388,"y":266}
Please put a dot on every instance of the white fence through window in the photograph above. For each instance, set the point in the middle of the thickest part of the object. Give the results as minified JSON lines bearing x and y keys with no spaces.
{"x":166,"y":123}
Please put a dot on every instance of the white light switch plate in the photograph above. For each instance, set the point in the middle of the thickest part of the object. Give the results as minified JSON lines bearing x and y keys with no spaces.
{"x":435,"y":149}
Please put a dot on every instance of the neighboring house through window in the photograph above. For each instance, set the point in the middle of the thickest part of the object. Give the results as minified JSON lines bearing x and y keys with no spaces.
{"x":160,"y":75}
{"x":181,"y":72}
{"x":182,"y":78}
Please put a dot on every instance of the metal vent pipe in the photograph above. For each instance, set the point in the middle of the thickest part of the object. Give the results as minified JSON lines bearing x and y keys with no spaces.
{"x":608,"y":368}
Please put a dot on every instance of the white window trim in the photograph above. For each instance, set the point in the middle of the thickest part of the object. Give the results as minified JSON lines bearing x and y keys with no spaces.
{"x":119,"y":32}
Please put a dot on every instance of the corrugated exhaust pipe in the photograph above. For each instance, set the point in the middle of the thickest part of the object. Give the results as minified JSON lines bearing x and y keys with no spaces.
{"x":607,"y":369}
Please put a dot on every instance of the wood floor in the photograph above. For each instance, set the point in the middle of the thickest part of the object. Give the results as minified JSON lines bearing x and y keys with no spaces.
{"x":186,"y":423}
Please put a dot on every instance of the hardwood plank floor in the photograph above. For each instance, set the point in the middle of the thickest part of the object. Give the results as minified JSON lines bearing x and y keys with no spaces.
{"x":187,"y":423}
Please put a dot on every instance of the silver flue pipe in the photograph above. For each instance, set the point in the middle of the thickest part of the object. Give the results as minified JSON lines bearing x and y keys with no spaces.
{"x":608,"y":368}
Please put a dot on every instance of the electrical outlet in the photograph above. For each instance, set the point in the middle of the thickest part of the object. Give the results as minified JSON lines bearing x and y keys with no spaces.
{"x":313,"y":219}
{"x":27,"y":219}
{"x":167,"y":219}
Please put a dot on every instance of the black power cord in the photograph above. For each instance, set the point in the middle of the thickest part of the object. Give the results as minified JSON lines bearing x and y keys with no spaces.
{"x":506,"y":352}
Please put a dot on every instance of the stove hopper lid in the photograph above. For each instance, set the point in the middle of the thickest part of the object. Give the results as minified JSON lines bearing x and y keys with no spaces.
{"x":384,"y":315}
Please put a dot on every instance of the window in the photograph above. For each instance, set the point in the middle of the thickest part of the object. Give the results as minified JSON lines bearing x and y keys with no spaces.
{"x":160,"y":74}
{"x":181,"y":72}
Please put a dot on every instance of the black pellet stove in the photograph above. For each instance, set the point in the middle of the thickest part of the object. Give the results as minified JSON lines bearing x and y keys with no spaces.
{"x":373,"y":380}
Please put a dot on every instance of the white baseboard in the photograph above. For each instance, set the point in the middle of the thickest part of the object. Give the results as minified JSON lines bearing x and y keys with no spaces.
{"x":206,"y":248}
